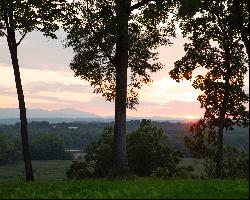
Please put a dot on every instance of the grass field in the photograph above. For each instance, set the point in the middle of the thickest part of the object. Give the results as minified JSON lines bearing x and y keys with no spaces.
{"x":56,"y":169}
{"x":43,"y":170}
{"x":137,"y":188}
{"x":51,"y":183}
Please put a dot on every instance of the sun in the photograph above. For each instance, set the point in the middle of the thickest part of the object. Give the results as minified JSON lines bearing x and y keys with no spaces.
{"x":191,"y":118}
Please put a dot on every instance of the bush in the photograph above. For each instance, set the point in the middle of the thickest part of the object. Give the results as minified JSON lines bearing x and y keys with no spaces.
{"x":182,"y":172}
{"x":235,"y":164}
{"x":9,"y":150}
{"x":147,"y":150}
{"x":80,"y":170}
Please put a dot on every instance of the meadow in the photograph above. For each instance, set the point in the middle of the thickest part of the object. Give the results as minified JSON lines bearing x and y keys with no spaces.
{"x":51,"y":183}
{"x":46,"y":170}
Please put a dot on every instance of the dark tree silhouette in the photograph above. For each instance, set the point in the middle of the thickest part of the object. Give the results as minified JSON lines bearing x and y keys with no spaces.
{"x":217,"y":47}
{"x":240,"y":20}
{"x":22,"y":17}
{"x":109,"y":37}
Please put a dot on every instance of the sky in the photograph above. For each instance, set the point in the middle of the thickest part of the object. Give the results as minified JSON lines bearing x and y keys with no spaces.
{"x":49,"y":83}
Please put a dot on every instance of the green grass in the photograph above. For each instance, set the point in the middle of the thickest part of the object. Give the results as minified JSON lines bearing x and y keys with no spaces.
{"x":56,"y":169}
{"x":137,"y":188}
{"x":51,"y":183}
{"x":43,"y":170}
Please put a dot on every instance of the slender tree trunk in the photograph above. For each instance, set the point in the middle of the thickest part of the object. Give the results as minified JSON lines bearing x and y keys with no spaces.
{"x":24,"y":130}
{"x":119,"y":151}
{"x":222,"y":115}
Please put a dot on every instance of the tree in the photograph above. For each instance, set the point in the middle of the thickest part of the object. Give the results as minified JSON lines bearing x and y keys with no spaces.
{"x":240,"y":20}
{"x":148,"y":150}
{"x":235,"y":164}
{"x":108,"y":38}
{"x":217,"y":47}
{"x":9,"y":152}
{"x":47,"y":147}
{"x":21,"y":17}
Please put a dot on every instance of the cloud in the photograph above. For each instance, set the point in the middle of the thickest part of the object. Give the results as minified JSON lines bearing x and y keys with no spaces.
{"x":41,"y":86}
{"x":7,"y":91}
{"x":38,"y":52}
{"x":172,"y":108}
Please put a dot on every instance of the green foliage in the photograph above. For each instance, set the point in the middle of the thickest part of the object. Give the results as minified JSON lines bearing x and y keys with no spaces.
{"x":235,"y":164}
{"x":89,"y":132}
{"x":92,"y":33}
{"x":216,"y":47}
{"x":9,"y":150}
{"x":80,"y":170}
{"x":99,"y":153}
{"x":182,"y":172}
{"x":47,"y":147}
{"x":147,"y":150}
{"x":142,"y":188}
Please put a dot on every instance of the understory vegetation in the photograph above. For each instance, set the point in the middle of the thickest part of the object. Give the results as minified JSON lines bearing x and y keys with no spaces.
{"x":150,"y":154}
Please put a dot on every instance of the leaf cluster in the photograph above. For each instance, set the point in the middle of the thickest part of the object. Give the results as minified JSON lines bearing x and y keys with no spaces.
{"x":25,"y":16}
{"x":92,"y":32}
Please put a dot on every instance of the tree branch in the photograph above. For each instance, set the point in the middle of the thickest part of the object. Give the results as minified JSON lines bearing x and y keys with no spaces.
{"x":139,"y":4}
{"x":1,"y":32}
{"x":22,"y":37}
{"x":6,"y":21}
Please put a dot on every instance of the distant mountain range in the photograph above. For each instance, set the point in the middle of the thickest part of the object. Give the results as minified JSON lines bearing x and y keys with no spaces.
{"x":11,"y":116}
{"x":39,"y":113}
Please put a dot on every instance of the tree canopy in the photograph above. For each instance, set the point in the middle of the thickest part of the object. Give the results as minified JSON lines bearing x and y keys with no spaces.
{"x":92,"y":32}
{"x":217,"y":47}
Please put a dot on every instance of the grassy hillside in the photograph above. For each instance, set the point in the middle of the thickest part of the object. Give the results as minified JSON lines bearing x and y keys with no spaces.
{"x":136,"y":188}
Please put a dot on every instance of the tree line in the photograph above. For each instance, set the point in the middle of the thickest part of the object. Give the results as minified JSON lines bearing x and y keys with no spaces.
{"x":112,"y":39}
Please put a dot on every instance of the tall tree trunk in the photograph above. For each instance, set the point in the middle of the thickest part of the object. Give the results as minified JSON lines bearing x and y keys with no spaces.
{"x":24,"y":130}
{"x":220,"y":153}
{"x":121,"y":61}
{"x":222,"y":115}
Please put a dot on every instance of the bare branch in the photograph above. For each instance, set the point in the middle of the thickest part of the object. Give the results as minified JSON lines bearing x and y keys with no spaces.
{"x":138,"y":5}
{"x":1,"y":32}
{"x":22,"y":37}
{"x":142,"y":3}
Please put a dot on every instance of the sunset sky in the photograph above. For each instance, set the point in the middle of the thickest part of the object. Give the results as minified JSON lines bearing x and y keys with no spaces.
{"x":50,"y":84}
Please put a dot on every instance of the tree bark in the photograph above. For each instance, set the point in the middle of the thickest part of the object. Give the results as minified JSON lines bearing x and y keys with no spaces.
{"x":121,"y":62}
{"x":222,"y":115}
{"x":24,"y":130}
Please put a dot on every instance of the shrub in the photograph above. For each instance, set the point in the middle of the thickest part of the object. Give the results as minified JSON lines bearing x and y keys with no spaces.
{"x":80,"y":170}
{"x":147,"y":150}
{"x":235,"y":164}
{"x":182,"y":172}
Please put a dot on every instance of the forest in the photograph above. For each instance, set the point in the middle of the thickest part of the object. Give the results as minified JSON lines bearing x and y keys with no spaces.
{"x":115,"y":45}
{"x":83,"y":133}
